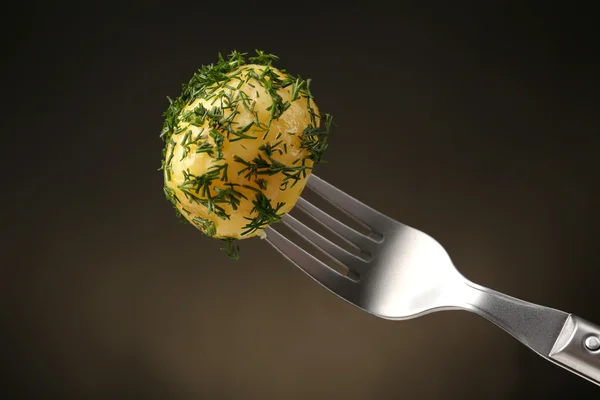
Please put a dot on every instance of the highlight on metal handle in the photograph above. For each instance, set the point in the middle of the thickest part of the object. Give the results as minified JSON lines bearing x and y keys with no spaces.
{"x":578,"y":348}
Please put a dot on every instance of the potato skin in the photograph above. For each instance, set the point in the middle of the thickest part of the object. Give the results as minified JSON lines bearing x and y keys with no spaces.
{"x":238,"y":155}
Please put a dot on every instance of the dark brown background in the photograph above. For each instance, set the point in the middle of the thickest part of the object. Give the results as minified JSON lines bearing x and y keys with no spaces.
{"x":476,"y":124}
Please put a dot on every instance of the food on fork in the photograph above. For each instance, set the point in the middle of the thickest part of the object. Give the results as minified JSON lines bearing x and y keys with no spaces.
{"x":240,"y":143}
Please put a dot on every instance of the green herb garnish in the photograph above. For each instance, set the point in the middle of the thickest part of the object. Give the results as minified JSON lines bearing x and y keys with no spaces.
{"x":231,"y":250}
{"x":266,"y":214}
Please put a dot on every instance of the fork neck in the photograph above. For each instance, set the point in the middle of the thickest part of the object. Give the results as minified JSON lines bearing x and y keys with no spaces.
{"x":535,"y":326}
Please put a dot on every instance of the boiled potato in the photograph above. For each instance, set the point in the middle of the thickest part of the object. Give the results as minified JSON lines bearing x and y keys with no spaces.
{"x":241,"y":142}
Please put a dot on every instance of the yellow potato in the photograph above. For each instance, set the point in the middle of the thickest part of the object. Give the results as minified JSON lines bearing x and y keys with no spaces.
{"x":240,"y":148}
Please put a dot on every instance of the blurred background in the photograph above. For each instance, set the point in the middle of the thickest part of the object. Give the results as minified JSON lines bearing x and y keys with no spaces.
{"x":477,"y":123}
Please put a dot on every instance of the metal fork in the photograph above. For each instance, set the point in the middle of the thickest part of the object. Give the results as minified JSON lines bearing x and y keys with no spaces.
{"x":401,"y":273}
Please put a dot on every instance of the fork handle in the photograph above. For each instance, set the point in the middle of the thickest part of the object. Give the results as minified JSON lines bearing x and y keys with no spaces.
{"x":564,"y":339}
{"x":577,"y":348}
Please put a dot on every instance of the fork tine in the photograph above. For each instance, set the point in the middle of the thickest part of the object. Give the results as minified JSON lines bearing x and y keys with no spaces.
{"x":350,"y":260}
{"x":357,"y":239}
{"x":316,"y":269}
{"x":347,"y":203}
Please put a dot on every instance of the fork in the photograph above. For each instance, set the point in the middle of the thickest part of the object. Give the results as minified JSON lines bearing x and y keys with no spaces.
{"x":401,"y":273}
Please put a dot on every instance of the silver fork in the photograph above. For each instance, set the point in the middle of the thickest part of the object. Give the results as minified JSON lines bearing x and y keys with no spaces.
{"x":402,"y":273}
